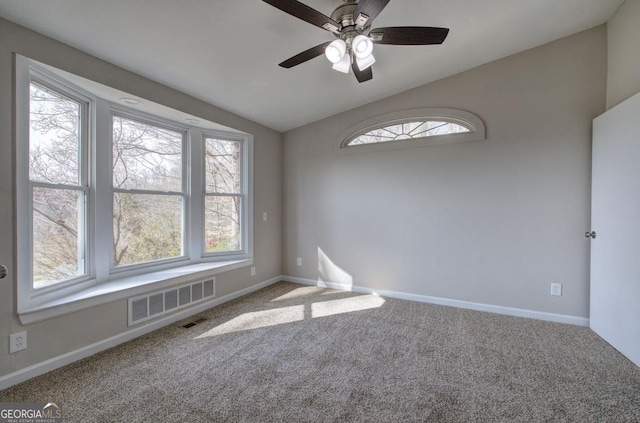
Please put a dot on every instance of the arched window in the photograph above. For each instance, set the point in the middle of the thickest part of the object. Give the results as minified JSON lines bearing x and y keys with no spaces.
{"x":409,"y":130}
{"x":413,"y":128}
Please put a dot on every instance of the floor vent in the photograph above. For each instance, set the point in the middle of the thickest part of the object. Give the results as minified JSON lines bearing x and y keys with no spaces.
{"x":153,"y":305}
{"x":195,"y":322}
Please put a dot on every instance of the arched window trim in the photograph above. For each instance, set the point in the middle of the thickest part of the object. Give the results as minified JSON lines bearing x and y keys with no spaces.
{"x":457,"y":116}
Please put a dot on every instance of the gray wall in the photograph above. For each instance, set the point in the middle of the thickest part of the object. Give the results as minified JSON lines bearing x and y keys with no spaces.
{"x":491,"y":222}
{"x":67,"y":333}
{"x":623,"y":32}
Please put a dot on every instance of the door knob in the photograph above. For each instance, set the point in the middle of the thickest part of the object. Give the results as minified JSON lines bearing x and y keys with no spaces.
{"x":591,"y":234}
{"x":3,"y":271}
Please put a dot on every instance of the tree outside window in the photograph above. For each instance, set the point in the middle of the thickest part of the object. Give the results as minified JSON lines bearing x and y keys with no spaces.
{"x":57,"y":179}
{"x":223,"y":195}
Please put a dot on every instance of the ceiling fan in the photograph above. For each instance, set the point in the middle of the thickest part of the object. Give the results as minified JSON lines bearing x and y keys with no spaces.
{"x":351,"y":24}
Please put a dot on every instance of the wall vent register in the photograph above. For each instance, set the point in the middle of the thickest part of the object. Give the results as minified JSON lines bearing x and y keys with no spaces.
{"x":156,"y":304}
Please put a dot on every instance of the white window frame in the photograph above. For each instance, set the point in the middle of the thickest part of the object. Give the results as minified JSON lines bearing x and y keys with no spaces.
{"x":25,"y":186}
{"x":457,"y":116}
{"x":104,"y":282}
{"x":164,"y":124}
{"x":246,"y":210}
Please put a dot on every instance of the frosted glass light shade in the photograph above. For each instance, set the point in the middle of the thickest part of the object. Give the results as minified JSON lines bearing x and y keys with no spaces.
{"x":336,"y":51}
{"x":362,"y":46}
{"x":364,"y":63}
{"x":344,"y":64}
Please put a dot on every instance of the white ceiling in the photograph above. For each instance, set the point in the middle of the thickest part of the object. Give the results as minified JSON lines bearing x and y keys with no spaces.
{"x":226,"y":52}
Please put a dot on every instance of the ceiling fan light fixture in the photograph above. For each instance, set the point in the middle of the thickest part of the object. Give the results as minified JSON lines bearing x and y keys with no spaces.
{"x":344,"y":64}
{"x":335,"y":51}
{"x":351,"y":24}
{"x":365,"y":62}
{"x":362,"y":46}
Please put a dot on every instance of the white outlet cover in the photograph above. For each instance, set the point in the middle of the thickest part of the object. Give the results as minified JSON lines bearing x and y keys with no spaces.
{"x":299,"y":261}
{"x":556,"y":289}
{"x":17,"y":342}
{"x":264,"y":216}
{"x":253,"y":271}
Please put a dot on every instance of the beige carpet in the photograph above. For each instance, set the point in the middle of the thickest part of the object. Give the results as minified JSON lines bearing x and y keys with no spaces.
{"x":305,"y":354}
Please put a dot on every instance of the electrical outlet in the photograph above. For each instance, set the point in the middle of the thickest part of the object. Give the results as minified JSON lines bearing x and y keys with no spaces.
{"x":299,"y":261}
{"x":264,"y":216}
{"x":253,"y":271}
{"x":17,"y":342}
{"x":556,"y":289}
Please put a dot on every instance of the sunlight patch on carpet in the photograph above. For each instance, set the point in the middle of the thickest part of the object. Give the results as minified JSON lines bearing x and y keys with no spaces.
{"x":257,"y":320}
{"x":282,"y":315}
{"x":345,"y":305}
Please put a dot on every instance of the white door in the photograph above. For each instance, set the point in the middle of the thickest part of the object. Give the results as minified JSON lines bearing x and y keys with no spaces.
{"x":615,"y":218}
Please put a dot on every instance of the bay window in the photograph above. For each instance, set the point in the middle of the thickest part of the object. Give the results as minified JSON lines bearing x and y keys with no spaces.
{"x":107,"y":193}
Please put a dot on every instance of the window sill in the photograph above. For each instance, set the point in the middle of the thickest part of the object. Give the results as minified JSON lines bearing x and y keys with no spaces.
{"x":118,"y":289}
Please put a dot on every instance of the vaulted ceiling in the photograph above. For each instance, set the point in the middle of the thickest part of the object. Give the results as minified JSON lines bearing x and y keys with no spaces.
{"x":226,"y":52}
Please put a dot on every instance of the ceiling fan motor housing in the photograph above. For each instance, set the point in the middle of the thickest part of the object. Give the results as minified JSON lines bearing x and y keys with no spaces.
{"x":343,"y":14}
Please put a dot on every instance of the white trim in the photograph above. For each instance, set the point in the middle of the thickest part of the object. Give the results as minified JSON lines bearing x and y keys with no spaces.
{"x":85,"y":297}
{"x":195,"y":183}
{"x":509,"y":311}
{"x":67,"y":358}
{"x":22,"y":185}
{"x":101,"y":159}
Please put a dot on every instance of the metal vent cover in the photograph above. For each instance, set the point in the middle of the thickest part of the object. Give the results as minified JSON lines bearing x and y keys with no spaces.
{"x":150,"y":306}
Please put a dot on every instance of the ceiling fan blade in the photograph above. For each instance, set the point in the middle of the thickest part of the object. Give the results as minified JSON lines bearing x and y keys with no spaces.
{"x":305,"y":55}
{"x":369,"y":8}
{"x":408,"y":35}
{"x":306,"y":13}
{"x":362,"y":76}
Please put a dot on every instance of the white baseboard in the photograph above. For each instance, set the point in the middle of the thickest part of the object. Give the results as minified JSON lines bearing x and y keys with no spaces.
{"x":510,"y":311}
{"x":64,"y":359}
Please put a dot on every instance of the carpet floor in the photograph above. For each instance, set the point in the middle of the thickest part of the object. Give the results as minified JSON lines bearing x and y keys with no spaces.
{"x":306,"y":354}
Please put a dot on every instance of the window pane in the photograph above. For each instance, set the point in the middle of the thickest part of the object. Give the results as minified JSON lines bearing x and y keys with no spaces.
{"x":447,"y":128}
{"x":58,"y":236}
{"x":146,"y":156}
{"x":222,"y":223}
{"x":222,"y":164}
{"x":54,"y":137}
{"x":408,"y":130}
{"x":146,"y":227}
